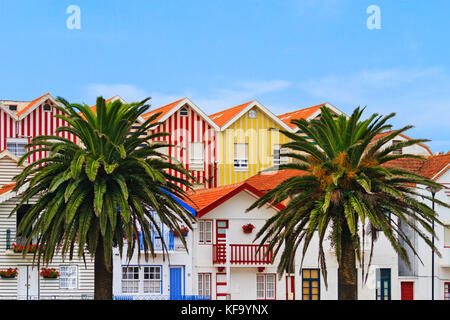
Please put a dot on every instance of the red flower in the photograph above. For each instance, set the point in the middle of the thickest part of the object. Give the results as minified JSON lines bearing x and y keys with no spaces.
{"x":248,"y":227}
{"x":10,"y":273}
{"x":49,"y":273}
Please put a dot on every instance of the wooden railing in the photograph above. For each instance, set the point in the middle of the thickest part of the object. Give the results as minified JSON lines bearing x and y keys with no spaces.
{"x":242,"y":254}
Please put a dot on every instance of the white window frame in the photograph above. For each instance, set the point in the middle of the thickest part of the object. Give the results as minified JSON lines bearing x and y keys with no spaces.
{"x":146,"y":279}
{"x":196,"y":161}
{"x":240,"y":163}
{"x":204,"y":284}
{"x":130,"y":279}
{"x":69,"y":277}
{"x":17,"y":142}
{"x":266,"y":290}
{"x":252,"y":114}
{"x":277,"y":155}
{"x":205,"y":236}
{"x":149,"y":283}
{"x":184,"y":112}
{"x":47,"y":104}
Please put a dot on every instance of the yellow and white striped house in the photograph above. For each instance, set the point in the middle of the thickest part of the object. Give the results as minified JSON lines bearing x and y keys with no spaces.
{"x":249,"y":140}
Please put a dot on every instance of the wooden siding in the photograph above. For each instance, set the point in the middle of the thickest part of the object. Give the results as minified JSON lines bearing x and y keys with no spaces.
{"x":184,"y":130}
{"x":261,"y":140}
{"x":47,"y":288}
{"x":38,"y":122}
{"x":8,"y":170}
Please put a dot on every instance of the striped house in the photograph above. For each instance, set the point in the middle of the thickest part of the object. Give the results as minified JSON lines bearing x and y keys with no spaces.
{"x":76,"y":280}
{"x":249,"y":141}
{"x":21,"y":121}
{"x":193,"y":135}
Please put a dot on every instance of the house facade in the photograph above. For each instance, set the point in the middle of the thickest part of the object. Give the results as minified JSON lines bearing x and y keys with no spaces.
{"x":248,"y":142}
{"x":76,"y":280}
{"x":21,"y":121}
{"x":193,"y":135}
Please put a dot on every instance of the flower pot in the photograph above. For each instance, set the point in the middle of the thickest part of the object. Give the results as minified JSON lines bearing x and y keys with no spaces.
{"x":248,"y":231}
{"x":49,"y":278}
{"x":3,"y":277}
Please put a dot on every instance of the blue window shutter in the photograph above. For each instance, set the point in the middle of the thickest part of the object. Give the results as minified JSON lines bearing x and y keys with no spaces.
{"x":171,"y":241}
{"x":141,"y":240}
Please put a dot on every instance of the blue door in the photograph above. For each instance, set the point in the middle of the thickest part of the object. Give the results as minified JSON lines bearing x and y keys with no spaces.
{"x":176,"y":283}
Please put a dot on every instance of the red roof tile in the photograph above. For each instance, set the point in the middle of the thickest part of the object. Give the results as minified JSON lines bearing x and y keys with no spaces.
{"x":299,"y":114}
{"x":164,"y":110}
{"x":266,"y":182}
{"x":222,"y":117}
{"x":30,"y":105}
{"x":7,"y":187}
{"x":206,"y":200}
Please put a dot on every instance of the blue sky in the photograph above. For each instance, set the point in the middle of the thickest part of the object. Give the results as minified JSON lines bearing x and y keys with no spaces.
{"x":286,"y":54}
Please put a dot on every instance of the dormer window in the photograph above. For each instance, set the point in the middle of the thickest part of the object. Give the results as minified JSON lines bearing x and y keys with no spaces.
{"x":252,"y":114}
{"x":183,"y":112}
{"x":47,"y":107}
{"x":13,"y":107}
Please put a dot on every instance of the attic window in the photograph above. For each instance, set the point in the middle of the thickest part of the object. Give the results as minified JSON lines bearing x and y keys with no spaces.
{"x":252,"y":114}
{"x":47,"y":107}
{"x":183,"y":112}
{"x":13,"y":107}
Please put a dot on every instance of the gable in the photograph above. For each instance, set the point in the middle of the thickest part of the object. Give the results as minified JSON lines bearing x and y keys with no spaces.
{"x":235,"y":208}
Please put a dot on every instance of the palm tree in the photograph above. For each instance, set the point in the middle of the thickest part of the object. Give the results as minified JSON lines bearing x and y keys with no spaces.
{"x":92,"y":194}
{"x":345,"y":194}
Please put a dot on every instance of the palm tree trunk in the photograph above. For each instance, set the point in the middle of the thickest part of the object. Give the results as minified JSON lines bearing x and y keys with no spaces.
{"x":103,"y":274}
{"x":347,"y":272}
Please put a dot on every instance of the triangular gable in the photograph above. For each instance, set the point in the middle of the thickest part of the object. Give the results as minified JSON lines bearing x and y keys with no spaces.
{"x":34,"y":104}
{"x":308,"y":114}
{"x":169,"y":109}
{"x":30,"y":107}
{"x":208,"y":199}
{"x":229,"y":116}
{"x":8,"y":154}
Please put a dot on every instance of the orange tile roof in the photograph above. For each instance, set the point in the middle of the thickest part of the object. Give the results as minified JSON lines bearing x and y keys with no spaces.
{"x":164,"y":110}
{"x":203,"y":197}
{"x":266,"y":182}
{"x":222,"y":117}
{"x":7,"y":187}
{"x":206,"y":200}
{"x":299,"y":114}
{"x":431,"y":167}
{"x":383,"y":134}
{"x":30,"y":104}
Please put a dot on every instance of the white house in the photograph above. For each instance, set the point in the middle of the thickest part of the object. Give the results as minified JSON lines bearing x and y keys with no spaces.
{"x":76,"y":280}
{"x":165,"y":276}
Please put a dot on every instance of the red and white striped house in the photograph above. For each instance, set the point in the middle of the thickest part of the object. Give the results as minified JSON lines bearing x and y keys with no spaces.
{"x":21,"y":121}
{"x":194,"y":135}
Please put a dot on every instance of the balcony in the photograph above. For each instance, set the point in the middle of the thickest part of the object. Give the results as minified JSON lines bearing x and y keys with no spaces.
{"x":242,"y":254}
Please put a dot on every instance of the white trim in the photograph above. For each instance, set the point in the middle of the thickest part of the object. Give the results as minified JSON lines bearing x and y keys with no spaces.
{"x":9,"y":154}
{"x":441,"y":171}
{"x":329,"y":106}
{"x":194,"y":107}
{"x":250,"y":105}
{"x":11,"y":194}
